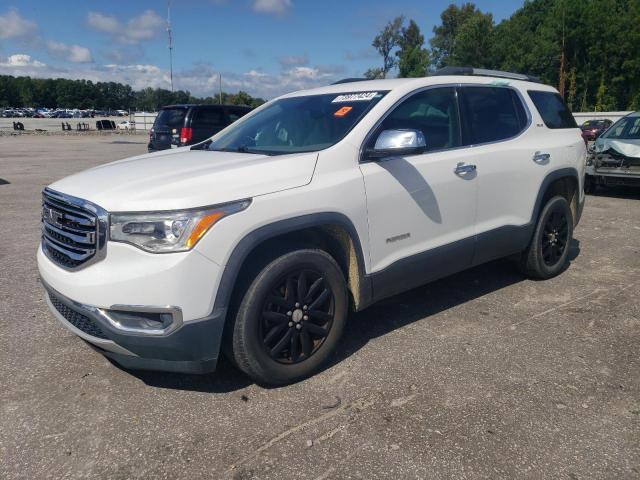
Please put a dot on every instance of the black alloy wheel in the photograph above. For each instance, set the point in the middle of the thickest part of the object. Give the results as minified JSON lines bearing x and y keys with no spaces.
{"x":297,"y":316}
{"x":548,"y":252}
{"x":555,"y":236}
{"x":290,"y":319}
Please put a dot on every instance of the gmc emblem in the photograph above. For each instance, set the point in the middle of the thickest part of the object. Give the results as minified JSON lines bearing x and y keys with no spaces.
{"x":51,"y":216}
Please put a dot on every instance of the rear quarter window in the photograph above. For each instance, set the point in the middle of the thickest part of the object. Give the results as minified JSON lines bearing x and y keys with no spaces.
{"x":171,"y":117}
{"x":555,"y":114}
{"x":209,"y":117}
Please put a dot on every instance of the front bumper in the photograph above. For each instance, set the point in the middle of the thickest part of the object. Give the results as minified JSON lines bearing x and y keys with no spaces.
{"x":191,"y":348}
{"x":612,"y":176}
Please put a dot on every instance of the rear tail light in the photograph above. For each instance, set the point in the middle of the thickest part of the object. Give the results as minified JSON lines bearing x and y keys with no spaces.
{"x":186,"y":134}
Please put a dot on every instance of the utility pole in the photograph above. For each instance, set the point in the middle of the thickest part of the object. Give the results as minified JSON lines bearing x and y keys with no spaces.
{"x":562,"y":58}
{"x":170,"y":42}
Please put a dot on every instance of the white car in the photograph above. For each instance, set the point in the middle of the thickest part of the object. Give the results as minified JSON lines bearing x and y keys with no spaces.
{"x":614,"y":158}
{"x":261,"y":240}
{"x":126,"y":125}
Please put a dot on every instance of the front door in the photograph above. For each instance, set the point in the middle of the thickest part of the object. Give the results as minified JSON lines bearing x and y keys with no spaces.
{"x":421,"y":208}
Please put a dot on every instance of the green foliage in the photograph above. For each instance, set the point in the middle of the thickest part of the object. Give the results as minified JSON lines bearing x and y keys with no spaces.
{"x":474,"y":42}
{"x":84,"y":94}
{"x":596,"y":43}
{"x":388,"y":39}
{"x":413,"y":58}
{"x":374,"y":74}
{"x":445,"y":36}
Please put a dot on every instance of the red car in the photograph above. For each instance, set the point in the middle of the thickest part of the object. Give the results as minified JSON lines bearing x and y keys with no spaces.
{"x":592,"y":129}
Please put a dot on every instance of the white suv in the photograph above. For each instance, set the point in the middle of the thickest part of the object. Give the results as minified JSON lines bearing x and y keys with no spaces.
{"x":259,"y":241}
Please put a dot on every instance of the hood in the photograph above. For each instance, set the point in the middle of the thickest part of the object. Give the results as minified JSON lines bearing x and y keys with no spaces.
{"x":626,"y":147}
{"x":185,"y":178}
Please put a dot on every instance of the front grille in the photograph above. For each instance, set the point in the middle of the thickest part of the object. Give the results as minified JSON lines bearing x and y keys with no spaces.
{"x":78,"y":320}
{"x":69,"y":230}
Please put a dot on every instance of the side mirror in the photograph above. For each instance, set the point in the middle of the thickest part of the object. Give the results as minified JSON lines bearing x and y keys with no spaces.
{"x":397,"y":143}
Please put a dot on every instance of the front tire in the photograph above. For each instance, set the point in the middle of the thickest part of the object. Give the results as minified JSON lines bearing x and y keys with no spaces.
{"x":547,"y":253}
{"x":291,"y":318}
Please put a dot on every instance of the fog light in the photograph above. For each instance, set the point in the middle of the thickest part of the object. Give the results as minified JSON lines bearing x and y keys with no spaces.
{"x":144,"y":320}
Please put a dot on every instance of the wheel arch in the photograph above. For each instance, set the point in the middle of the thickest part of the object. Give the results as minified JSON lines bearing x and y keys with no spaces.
{"x":330,"y":231}
{"x":564,"y":182}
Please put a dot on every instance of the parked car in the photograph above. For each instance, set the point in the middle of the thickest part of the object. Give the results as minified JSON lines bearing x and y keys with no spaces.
{"x":183,"y":125}
{"x":126,"y":125}
{"x":592,"y":129}
{"x":318,"y":203}
{"x":614,"y":158}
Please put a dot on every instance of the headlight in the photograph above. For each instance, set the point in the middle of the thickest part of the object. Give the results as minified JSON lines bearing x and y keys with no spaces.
{"x":163,"y":232}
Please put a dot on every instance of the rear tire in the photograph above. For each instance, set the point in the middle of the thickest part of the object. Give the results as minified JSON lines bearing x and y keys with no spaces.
{"x":290,"y":319}
{"x":547,"y":253}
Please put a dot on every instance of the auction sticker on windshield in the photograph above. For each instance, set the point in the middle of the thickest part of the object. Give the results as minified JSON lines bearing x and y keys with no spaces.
{"x":342,"y":111}
{"x":355,"y":97}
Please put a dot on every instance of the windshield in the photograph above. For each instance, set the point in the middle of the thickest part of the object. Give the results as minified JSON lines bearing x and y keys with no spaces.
{"x":171,"y":117}
{"x":594,"y":124}
{"x":297,"y":124}
{"x":625,"y":128}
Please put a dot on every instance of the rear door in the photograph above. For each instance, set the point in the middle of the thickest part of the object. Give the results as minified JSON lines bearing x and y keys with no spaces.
{"x":512,"y":159}
{"x":207,"y":121}
{"x":166,"y":128}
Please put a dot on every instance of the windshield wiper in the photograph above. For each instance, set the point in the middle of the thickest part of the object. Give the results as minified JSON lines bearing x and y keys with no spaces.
{"x":240,"y":149}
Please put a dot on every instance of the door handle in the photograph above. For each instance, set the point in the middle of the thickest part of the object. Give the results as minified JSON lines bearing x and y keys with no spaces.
{"x":541,"y":157}
{"x":463,"y":169}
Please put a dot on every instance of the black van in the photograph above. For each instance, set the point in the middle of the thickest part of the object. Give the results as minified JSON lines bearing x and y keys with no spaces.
{"x":182,"y":125}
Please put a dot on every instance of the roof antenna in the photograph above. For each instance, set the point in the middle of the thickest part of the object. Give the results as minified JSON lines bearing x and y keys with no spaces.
{"x":170,"y":42}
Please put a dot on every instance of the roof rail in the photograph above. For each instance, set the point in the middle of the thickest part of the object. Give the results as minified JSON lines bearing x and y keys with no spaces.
{"x":485,"y":73}
{"x":349,"y":80}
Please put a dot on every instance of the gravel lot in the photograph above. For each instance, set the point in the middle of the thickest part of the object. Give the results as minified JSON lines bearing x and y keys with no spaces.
{"x":482,"y":375}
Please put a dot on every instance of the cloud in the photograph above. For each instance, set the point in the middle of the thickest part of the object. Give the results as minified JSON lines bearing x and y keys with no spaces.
{"x":143,"y":27}
{"x":201,"y":80}
{"x":20,"y":60}
{"x":12,"y":25}
{"x":123,"y":55}
{"x":71,"y":53}
{"x":293,"y":60}
{"x":272,"y":7}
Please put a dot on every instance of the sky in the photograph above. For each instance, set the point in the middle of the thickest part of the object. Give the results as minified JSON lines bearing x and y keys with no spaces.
{"x":264,"y":47}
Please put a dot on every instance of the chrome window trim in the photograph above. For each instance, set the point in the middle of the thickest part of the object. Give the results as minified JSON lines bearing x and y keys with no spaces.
{"x":102,"y":227}
{"x":457,"y":87}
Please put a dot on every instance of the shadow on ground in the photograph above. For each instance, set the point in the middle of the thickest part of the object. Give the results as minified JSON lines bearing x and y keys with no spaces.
{"x":377,"y":320}
{"x":618,"y":192}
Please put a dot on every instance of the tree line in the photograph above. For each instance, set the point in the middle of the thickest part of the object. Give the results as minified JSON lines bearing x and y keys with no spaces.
{"x":588,"y":49}
{"x":85,"y":94}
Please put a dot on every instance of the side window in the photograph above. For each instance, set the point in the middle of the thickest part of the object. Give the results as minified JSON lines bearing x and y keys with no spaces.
{"x":235,"y":114}
{"x":209,"y":117}
{"x":491,"y":114}
{"x":553,"y":110}
{"x":434,"y":112}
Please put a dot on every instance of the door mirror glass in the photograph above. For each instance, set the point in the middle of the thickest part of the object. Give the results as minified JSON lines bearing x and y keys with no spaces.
{"x":397,"y":143}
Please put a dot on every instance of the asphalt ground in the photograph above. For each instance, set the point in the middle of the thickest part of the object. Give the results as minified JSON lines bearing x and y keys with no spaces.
{"x":481,"y":375}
